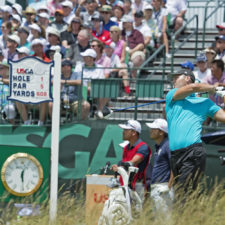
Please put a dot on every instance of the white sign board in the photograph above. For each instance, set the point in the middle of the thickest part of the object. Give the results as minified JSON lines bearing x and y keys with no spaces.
{"x":30,"y":80}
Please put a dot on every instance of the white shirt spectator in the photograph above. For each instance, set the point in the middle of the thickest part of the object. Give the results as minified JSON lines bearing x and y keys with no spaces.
{"x":200,"y":76}
{"x":158,"y":17}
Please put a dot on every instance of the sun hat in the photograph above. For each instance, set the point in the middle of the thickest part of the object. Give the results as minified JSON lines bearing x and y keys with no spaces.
{"x":160,"y":124}
{"x":23,"y":50}
{"x":52,"y":30}
{"x":131,"y":125}
{"x":106,"y":8}
{"x":35,"y":27}
{"x":67,"y":4}
{"x":89,"y":52}
{"x":18,"y":8}
{"x":15,"y":38}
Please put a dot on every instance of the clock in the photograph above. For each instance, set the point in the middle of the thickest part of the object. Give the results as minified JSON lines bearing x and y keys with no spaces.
{"x":22,"y":174}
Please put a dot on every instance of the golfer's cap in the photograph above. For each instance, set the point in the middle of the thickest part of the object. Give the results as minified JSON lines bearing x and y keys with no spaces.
{"x":37,"y":41}
{"x":139,"y":14}
{"x":44,"y":15}
{"x":52,"y":30}
{"x":23,"y":50}
{"x":6,"y":8}
{"x":131,"y":125}
{"x":16,"y":17}
{"x":89,"y":52}
{"x":67,"y":4}
{"x":187,"y":65}
{"x":24,"y":30}
{"x":35,"y":27}
{"x":221,"y":26}
{"x":123,"y":144}
{"x":18,"y":8}
{"x":67,"y":63}
{"x":221,"y":37}
{"x":160,"y":124}
{"x":148,"y":6}
{"x":15,"y":38}
{"x":106,"y":8}
{"x":202,"y":58}
{"x":127,"y":19}
{"x":185,"y":72}
{"x":59,"y":11}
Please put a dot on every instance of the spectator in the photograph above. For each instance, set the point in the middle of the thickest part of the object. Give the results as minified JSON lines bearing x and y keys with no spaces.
{"x":127,"y":8}
{"x":23,"y":33}
{"x":106,"y":13}
{"x":70,"y":82}
{"x":53,"y":5}
{"x":42,"y":9}
{"x":101,"y":59}
{"x":67,"y":7}
{"x":54,"y":39}
{"x":210,"y":53}
{"x":220,"y":47}
{"x":217,"y":76}
{"x":187,"y":65}
{"x":1,"y":55}
{"x":29,"y":16}
{"x":115,"y":63}
{"x":69,"y":37}
{"x":7,"y":107}
{"x":160,"y":16}
{"x":6,"y":29}
{"x":58,"y":22}
{"x":37,"y":32}
{"x":143,"y":28}
{"x":17,"y":9}
{"x":16,"y":22}
{"x":176,"y":12}
{"x":203,"y":71}
{"x":10,"y":52}
{"x":118,"y":13}
{"x":98,"y":31}
{"x":162,"y":178}
{"x":6,"y":13}
{"x":43,"y":19}
{"x":221,"y":31}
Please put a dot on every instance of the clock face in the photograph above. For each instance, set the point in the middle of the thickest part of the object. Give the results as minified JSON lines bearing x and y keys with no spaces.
{"x":22,"y":174}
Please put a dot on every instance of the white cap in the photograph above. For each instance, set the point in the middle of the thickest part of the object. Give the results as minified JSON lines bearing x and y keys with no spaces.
{"x":18,"y":8}
{"x":67,"y":4}
{"x":24,"y":50}
{"x":160,"y":124}
{"x":131,"y":125}
{"x":35,"y":27}
{"x":15,"y":38}
{"x":148,"y":6}
{"x":37,"y":41}
{"x":44,"y":15}
{"x":89,"y":52}
{"x":52,"y":30}
{"x":127,"y":18}
{"x":42,"y":7}
{"x":123,"y":144}
{"x":16,"y":17}
{"x":6,"y":8}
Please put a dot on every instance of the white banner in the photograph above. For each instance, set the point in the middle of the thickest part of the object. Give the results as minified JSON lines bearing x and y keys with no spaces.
{"x":30,"y":80}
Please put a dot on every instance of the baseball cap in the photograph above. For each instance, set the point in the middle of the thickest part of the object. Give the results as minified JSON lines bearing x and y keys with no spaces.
{"x":221,"y":26}
{"x":16,"y":17}
{"x":44,"y":15}
{"x":187,"y":65}
{"x":35,"y":27}
{"x":67,"y":4}
{"x":60,"y":11}
{"x":160,"y":124}
{"x":67,"y":63}
{"x":24,"y":50}
{"x":37,"y":41}
{"x":201,"y":58}
{"x":139,"y":14}
{"x":52,"y":30}
{"x":24,"y":30}
{"x":43,"y":7}
{"x":15,"y":38}
{"x":221,"y":37}
{"x":131,"y":125}
{"x":89,"y":52}
{"x":106,"y":8}
{"x":127,"y":19}
{"x":185,"y":72}
{"x":148,"y":6}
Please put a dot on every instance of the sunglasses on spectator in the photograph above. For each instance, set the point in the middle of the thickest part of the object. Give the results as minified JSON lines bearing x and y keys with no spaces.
{"x":113,"y":31}
{"x":92,"y":46}
{"x":58,"y":14}
{"x":105,"y":12}
{"x":29,"y":14}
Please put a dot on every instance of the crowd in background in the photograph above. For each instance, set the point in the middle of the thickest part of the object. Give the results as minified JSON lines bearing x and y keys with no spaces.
{"x":97,"y":34}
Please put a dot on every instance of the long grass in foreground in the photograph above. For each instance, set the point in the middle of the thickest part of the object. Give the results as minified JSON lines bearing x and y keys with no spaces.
{"x":200,"y":208}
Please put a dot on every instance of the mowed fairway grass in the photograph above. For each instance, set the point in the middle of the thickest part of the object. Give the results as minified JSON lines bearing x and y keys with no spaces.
{"x":202,"y":207}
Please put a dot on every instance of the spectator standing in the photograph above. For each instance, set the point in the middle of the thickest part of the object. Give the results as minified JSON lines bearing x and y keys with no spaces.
{"x":185,"y":114}
{"x":136,"y":153}
{"x":162,"y":178}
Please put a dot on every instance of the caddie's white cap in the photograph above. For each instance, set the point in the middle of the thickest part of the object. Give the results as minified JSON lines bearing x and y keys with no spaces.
{"x":44,"y":15}
{"x":89,"y":52}
{"x":35,"y":27}
{"x":67,"y":4}
{"x":131,"y":125}
{"x":160,"y":124}
{"x":37,"y":41}
{"x":18,"y":8}
{"x":15,"y":38}
{"x":24,"y":50}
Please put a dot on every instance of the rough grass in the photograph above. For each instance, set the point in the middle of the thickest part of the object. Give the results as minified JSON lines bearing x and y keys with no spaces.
{"x":203,"y":207}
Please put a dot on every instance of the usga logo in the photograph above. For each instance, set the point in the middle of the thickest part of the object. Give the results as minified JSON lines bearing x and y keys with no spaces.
{"x":24,"y":71}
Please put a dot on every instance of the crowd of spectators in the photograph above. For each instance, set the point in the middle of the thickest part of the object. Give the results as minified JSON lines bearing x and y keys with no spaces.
{"x":95,"y":34}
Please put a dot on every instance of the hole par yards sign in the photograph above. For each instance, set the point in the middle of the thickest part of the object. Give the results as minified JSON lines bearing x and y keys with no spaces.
{"x":30,"y":80}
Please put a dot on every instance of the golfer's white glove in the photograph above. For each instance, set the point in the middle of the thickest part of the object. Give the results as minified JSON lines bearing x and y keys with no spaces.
{"x":220,"y":91}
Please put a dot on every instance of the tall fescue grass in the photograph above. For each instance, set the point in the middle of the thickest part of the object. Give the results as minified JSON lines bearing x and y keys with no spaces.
{"x":202,"y":207}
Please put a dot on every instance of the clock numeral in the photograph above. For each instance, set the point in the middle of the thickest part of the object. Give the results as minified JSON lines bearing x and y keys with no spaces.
{"x":10,"y":181}
{"x":14,"y":186}
{"x":32,"y":182}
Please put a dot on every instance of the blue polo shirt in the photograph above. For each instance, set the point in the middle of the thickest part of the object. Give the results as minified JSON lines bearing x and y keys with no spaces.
{"x":185,"y":118}
{"x":161,"y":168}
{"x":110,"y":24}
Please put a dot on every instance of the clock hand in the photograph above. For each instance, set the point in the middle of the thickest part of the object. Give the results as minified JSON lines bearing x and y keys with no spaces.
{"x":22,"y":175}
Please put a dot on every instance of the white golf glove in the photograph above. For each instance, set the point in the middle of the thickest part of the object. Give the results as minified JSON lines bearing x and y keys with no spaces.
{"x":220,"y":91}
